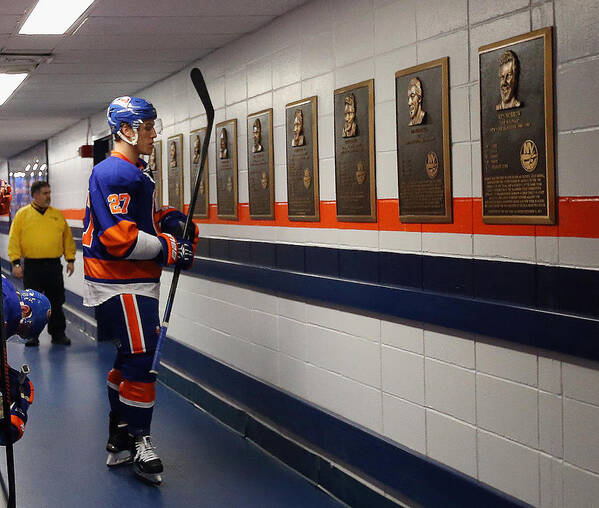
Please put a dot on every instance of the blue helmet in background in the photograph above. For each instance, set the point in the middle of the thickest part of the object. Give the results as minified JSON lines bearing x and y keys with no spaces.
{"x":33,"y":322}
{"x":131,"y":110}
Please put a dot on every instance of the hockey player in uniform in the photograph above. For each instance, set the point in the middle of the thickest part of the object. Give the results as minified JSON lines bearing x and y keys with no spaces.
{"x":25,"y":313}
{"x":126,"y":242}
{"x":5,"y":197}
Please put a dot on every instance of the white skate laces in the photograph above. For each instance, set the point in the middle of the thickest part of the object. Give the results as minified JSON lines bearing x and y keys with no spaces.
{"x":144,"y":450}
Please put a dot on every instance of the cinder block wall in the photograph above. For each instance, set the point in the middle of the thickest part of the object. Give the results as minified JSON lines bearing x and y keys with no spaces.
{"x":522,"y":420}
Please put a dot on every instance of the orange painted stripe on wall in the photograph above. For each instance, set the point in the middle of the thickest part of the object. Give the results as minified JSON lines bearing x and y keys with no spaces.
{"x":577,"y":216}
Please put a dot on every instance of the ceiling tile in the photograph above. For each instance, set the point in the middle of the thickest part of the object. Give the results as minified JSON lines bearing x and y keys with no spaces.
{"x":136,"y":41}
{"x":38,"y":43}
{"x":199,"y":8}
{"x":122,"y":47}
{"x":16,"y":7}
{"x":199,"y":25}
{"x":8,"y":24}
{"x":109,"y":67}
{"x":131,"y":55}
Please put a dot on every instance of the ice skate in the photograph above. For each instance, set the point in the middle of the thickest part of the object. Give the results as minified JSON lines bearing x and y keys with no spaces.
{"x":119,"y":445}
{"x":146,"y":464}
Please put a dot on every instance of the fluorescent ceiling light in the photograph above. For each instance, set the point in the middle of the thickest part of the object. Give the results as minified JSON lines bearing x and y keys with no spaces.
{"x":8,"y":84}
{"x":54,"y":17}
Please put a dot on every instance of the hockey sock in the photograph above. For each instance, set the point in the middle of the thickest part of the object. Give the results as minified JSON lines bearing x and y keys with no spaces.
{"x":114,"y":380}
{"x":137,"y":404}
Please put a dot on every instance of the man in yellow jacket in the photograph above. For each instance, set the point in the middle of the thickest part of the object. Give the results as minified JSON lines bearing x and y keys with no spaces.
{"x":39,"y":236}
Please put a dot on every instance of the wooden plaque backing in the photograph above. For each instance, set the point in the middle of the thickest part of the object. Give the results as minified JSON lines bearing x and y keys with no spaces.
{"x":261,"y":174}
{"x":303,"y":196}
{"x":355,"y":176}
{"x":226,"y":170}
{"x":174,"y":161}
{"x":423,"y":148}
{"x":196,"y":138}
{"x":517,"y":138}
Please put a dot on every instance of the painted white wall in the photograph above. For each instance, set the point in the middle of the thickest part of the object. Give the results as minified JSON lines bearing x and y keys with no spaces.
{"x":522,"y":420}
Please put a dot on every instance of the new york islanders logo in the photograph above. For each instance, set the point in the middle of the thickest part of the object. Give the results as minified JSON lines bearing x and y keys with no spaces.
{"x":122,"y":101}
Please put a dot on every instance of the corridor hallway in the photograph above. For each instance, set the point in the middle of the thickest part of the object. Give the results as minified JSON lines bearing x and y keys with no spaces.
{"x":60,"y":461}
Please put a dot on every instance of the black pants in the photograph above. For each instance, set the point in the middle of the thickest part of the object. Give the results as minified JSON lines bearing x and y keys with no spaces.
{"x":45,"y":275}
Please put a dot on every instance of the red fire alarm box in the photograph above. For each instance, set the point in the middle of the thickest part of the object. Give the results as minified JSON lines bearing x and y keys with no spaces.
{"x":86,"y":151}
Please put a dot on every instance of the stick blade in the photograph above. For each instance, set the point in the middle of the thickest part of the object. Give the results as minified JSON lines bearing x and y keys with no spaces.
{"x":200,"y":85}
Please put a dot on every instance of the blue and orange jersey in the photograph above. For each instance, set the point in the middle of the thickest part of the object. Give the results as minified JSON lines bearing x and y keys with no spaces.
{"x":119,"y":206}
{"x":12,"y":307}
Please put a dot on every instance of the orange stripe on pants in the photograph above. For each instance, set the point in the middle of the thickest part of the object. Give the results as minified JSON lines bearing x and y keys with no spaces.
{"x":133,"y":325}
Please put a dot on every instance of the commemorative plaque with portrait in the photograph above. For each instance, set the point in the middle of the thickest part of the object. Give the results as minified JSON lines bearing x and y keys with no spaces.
{"x":155,"y":166}
{"x":261,"y":173}
{"x":302,"y":159}
{"x":196,"y":138}
{"x":226,"y":169}
{"x":423,"y":144}
{"x":355,"y":183}
{"x":517,"y":145}
{"x":175,"y":171}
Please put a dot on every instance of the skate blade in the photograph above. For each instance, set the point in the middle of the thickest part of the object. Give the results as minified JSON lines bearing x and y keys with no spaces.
{"x":154,"y":479}
{"x":118,"y":458}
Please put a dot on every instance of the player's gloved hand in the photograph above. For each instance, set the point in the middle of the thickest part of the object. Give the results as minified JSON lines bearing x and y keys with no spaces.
{"x":21,"y":393}
{"x":175,"y":251}
{"x":186,"y":253}
{"x":174,"y":224}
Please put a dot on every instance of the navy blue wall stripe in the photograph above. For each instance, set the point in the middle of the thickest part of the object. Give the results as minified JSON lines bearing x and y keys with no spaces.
{"x":570,"y":290}
{"x":568,"y":334}
{"x":552,"y":308}
{"x":552,"y":288}
{"x":307,"y":463}
{"x":400,"y":471}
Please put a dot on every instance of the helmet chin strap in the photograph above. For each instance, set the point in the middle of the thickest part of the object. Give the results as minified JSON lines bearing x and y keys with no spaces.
{"x":131,"y":142}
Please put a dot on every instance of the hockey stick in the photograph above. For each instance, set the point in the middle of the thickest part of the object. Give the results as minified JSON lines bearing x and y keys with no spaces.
{"x":200,"y":86}
{"x":5,"y":389}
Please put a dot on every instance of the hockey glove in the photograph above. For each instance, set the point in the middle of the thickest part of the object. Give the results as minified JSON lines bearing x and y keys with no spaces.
{"x":175,"y":251}
{"x":21,"y":395}
{"x":173,"y":223}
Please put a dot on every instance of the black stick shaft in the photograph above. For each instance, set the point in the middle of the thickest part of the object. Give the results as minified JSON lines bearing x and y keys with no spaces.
{"x":5,"y":388}
{"x":202,"y":90}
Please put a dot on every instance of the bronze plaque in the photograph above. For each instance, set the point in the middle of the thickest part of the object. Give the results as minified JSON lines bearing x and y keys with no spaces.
{"x":155,"y":166}
{"x":226,"y":169}
{"x":196,"y":138}
{"x":302,"y":159}
{"x":355,"y":182}
{"x":516,"y":97}
{"x":261,"y":175}
{"x":423,"y":146}
{"x":175,"y":171}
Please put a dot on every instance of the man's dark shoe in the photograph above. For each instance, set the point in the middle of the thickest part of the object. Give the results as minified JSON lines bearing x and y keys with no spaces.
{"x":62,"y":341}
{"x":32,"y":343}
